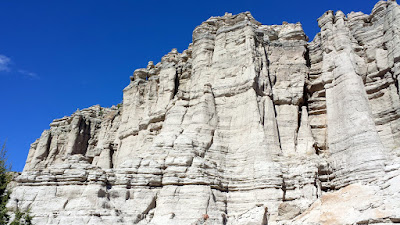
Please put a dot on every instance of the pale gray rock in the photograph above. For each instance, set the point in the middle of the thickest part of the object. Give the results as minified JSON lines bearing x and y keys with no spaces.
{"x":252,"y":124}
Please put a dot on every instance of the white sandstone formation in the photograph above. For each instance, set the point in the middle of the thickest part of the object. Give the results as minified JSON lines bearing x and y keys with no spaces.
{"x":252,"y":124}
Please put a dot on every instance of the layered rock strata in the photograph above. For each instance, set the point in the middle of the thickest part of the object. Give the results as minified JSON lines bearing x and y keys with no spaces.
{"x":252,"y":124}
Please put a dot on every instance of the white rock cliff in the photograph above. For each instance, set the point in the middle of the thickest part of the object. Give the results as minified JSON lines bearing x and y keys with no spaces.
{"x":252,"y":124}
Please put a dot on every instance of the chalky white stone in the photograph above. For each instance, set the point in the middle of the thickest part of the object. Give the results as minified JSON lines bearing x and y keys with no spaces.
{"x":252,"y":124}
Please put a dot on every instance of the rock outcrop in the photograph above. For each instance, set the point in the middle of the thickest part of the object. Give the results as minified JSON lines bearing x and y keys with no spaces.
{"x":252,"y":124}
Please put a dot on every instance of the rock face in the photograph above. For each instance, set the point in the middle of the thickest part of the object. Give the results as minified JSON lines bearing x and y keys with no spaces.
{"x":252,"y":124}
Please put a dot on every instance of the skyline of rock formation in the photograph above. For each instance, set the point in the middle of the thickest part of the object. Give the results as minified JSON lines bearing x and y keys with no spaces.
{"x":252,"y":124}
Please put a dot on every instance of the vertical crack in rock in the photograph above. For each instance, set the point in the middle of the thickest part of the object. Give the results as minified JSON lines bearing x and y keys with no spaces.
{"x":112,"y":151}
{"x":305,"y":142}
{"x":65,"y":204}
{"x":264,"y":89}
{"x":307,"y":57}
{"x":283,"y":187}
{"x":176,"y":82}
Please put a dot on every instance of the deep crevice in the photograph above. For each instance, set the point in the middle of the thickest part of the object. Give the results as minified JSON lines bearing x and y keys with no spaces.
{"x":111,"y":147}
{"x":176,"y":81}
{"x":268,"y":72}
{"x":277,"y":125}
{"x":83,"y":136}
{"x":307,"y":57}
{"x":272,"y":95}
{"x":224,"y":220}
{"x":284,"y":190}
{"x":224,"y":215}
{"x":303,"y":102}
{"x":316,"y":186}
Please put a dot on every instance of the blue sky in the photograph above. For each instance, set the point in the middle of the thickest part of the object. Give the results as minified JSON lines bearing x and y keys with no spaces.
{"x":57,"y":56}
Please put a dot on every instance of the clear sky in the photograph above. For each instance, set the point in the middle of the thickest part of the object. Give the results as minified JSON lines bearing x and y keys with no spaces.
{"x":57,"y":56}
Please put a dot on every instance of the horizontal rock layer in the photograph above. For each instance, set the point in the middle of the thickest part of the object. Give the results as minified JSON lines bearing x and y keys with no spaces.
{"x":252,"y":124}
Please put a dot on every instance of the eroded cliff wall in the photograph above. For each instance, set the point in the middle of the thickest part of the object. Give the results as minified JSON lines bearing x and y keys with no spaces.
{"x":252,"y":124}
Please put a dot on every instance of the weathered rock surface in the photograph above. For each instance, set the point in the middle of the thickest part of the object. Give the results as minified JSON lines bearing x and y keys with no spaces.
{"x":252,"y":124}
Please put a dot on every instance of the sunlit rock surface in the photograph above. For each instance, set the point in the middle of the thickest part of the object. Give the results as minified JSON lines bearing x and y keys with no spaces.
{"x":252,"y":124}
